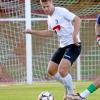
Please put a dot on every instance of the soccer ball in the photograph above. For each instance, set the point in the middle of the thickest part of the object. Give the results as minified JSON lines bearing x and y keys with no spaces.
{"x":45,"y":95}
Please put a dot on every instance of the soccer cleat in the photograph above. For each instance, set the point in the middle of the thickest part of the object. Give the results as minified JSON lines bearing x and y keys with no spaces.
{"x":76,"y":97}
{"x":69,"y":97}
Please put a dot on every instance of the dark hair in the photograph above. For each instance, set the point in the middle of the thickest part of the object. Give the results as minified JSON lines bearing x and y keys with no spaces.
{"x":45,"y":0}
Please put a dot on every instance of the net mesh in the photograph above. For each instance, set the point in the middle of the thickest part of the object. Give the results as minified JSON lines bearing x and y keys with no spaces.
{"x":12,"y":8}
{"x":83,"y":8}
{"x":12,"y":52}
{"x":90,"y":56}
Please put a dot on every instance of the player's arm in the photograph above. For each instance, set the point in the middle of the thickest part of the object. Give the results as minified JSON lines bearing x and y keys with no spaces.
{"x":76,"y":24}
{"x":76,"y":21}
{"x":97,"y":30}
{"x":44,"y":33}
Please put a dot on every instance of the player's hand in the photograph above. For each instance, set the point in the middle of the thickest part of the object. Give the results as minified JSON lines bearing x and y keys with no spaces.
{"x":28,"y":31}
{"x":98,"y":40}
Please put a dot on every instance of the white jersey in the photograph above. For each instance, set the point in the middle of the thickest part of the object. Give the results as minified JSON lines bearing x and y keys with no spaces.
{"x":63,"y":18}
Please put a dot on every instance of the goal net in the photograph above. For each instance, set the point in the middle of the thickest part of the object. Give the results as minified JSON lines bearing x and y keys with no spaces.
{"x":13,"y":44}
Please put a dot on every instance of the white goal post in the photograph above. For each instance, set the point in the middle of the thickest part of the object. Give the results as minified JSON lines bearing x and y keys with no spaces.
{"x":27,"y":20}
{"x":28,"y":41}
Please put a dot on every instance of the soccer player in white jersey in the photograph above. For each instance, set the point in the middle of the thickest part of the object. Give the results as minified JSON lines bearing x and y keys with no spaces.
{"x":96,"y":84}
{"x":66,"y":26}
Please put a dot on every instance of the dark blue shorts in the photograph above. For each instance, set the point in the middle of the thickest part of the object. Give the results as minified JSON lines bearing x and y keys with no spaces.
{"x":70,"y":52}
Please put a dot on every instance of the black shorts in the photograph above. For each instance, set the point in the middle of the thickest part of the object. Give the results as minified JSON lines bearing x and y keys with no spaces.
{"x":70,"y":52}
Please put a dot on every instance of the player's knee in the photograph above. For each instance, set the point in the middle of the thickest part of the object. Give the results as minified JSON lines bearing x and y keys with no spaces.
{"x":63,"y":72}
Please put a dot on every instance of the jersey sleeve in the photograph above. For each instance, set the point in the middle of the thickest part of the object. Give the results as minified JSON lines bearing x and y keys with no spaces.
{"x":67,"y":14}
{"x":98,"y":19}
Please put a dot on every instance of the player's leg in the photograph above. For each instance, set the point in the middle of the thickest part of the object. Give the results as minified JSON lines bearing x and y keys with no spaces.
{"x":52,"y":70}
{"x":54,"y":63}
{"x":63,"y":69}
{"x":71,"y":54}
{"x":97,"y":82}
{"x":90,"y":89}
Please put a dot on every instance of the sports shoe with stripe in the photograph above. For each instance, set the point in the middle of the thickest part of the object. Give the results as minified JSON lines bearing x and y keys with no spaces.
{"x":76,"y":97}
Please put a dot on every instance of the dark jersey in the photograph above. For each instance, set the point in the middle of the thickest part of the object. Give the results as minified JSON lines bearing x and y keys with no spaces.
{"x":98,"y":19}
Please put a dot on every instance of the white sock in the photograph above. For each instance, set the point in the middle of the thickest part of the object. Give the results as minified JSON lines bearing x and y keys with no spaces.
{"x":85,"y":93}
{"x":68,"y":83}
{"x":58,"y":77}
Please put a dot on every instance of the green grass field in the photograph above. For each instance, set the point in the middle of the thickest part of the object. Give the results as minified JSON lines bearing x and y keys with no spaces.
{"x":31,"y":92}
